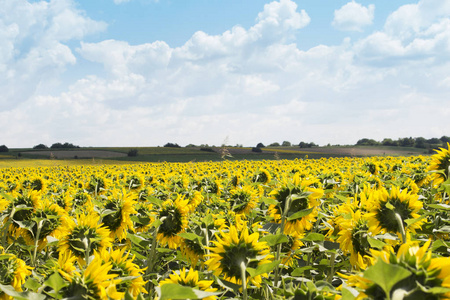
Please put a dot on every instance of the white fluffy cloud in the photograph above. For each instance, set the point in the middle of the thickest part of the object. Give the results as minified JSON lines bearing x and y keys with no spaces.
{"x":250,"y":84}
{"x":32,"y":44}
{"x":353,"y":16}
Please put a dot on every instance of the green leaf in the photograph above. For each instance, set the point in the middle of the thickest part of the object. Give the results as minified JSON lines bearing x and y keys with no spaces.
{"x":274,"y":239}
{"x":228,"y":285}
{"x":262,"y":269}
{"x":190,"y":236}
{"x":32,"y":284}
{"x":299,"y":271}
{"x":10,"y":291}
{"x":300,"y":214}
{"x":269,"y":201}
{"x":386,"y":275}
{"x":440,"y":206}
{"x":138,"y":240}
{"x":375,"y":243}
{"x":208,"y":220}
{"x":176,"y":291}
{"x":56,"y":282}
{"x":313,"y":237}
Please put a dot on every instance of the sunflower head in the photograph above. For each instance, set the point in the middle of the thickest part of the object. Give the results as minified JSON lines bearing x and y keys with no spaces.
{"x":119,"y":206}
{"x":94,"y":282}
{"x":233,"y":248}
{"x":191,"y":279}
{"x":123,"y":266}
{"x":440,"y":165}
{"x":173,"y":215}
{"x":243,"y":199}
{"x":293,"y":198}
{"x":389,"y":206}
{"x":13,"y":271}
{"x":84,"y":236}
{"x":418,"y":275}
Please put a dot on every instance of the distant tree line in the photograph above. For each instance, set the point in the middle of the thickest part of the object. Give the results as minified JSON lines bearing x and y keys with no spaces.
{"x":3,"y":148}
{"x":418,"y":142}
{"x":56,"y":146}
{"x":288,"y":144}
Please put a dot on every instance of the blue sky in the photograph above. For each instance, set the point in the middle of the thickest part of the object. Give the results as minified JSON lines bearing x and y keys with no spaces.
{"x":146,"y":72}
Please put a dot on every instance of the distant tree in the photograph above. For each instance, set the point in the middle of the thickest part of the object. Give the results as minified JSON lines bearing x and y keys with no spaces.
{"x":434,"y":141}
{"x":40,"y":146}
{"x":3,"y":148}
{"x":260,"y":145}
{"x":256,"y":149}
{"x":406,"y":142}
{"x":190,"y":146}
{"x":286,"y":144}
{"x":367,"y":142}
{"x":445,"y":139}
{"x":133,"y":152}
{"x":172,"y":145}
{"x":420,"y":142}
{"x":389,"y":142}
{"x":63,"y":146}
{"x":275,"y":144}
{"x":56,"y":146}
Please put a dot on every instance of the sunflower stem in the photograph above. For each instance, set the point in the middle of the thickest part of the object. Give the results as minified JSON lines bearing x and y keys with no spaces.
{"x":287,"y":205}
{"x":7,"y":224}
{"x":87,"y":245}
{"x":36,"y":241}
{"x":331,"y":274}
{"x":205,"y":232}
{"x":151,"y":257}
{"x":401,"y":228}
{"x":244,"y":280}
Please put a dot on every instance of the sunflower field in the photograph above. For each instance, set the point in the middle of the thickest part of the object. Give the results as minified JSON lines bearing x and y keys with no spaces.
{"x":336,"y":228}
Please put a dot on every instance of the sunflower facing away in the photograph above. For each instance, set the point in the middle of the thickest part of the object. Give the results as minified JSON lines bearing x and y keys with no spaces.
{"x":84,"y":236}
{"x":231,"y":249}
{"x":13,"y":271}
{"x":440,"y":162}
{"x":387,"y":204}
{"x":190,"y":279}
{"x":296,"y":196}
{"x":174,"y":221}
{"x":424,"y":277}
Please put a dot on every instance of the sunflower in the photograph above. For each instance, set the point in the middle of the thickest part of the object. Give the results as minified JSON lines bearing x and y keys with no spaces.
{"x":190,"y":279}
{"x":426,"y":277}
{"x":353,"y":236}
{"x":244,"y":198}
{"x":234,"y":248}
{"x":35,"y":183}
{"x":13,"y":271}
{"x":143,"y":218}
{"x":262,"y":176}
{"x":119,"y":206}
{"x":295,"y":197}
{"x":173,"y":215}
{"x":84,"y":236}
{"x":192,"y":250}
{"x":47,"y":216}
{"x":94,"y":282}
{"x":388,"y":206}
{"x":124,"y":267}
{"x":440,"y":163}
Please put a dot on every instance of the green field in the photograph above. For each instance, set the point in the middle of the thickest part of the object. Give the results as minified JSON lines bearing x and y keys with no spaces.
{"x":102,"y":155}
